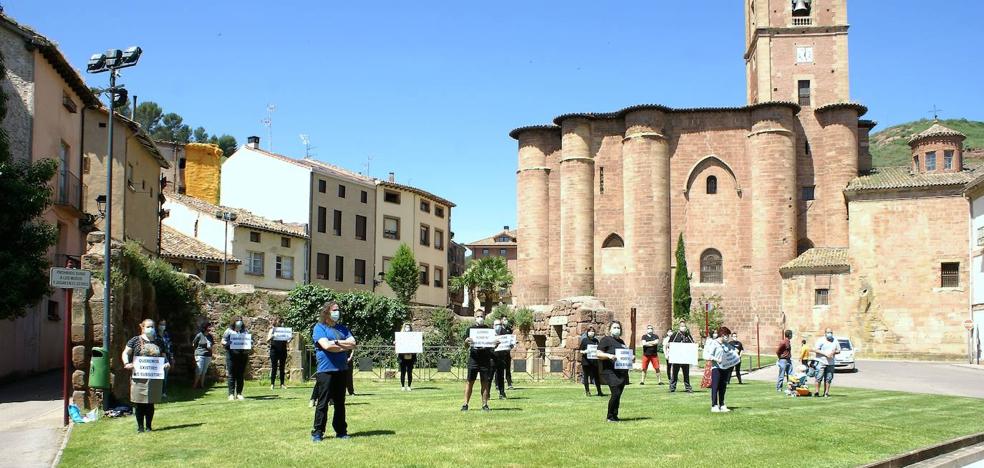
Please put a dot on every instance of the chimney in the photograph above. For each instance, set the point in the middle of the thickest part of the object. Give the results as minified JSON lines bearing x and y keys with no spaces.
{"x":505,"y":228}
{"x":253,"y":142}
{"x":392,"y":177}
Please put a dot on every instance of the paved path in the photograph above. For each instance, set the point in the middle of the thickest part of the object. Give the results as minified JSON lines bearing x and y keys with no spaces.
{"x":905,"y":376}
{"x":31,"y":429}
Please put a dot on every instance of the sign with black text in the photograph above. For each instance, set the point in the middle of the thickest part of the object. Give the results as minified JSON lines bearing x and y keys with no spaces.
{"x":147,"y":367}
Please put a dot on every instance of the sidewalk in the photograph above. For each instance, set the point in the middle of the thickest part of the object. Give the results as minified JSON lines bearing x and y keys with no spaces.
{"x":31,"y":429}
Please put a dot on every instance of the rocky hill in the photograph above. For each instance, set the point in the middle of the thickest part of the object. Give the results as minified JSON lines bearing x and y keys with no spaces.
{"x":889,"y":147}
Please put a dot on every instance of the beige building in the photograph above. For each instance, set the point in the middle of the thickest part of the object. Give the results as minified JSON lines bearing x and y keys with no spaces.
{"x":137,"y":165}
{"x":44,"y":120}
{"x":189,"y":255}
{"x":272,"y":252}
{"x":422,"y":220}
{"x":501,"y":244}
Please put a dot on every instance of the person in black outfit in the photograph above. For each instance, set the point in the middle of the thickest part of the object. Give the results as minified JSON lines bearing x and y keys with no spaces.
{"x":650,"y":354}
{"x":501,"y":359}
{"x":589,"y":367}
{"x":407,"y":361}
{"x":617,"y":379}
{"x":479,"y":364}
{"x":509,"y":331}
{"x":349,"y":378}
{"x":682,"y":335}
{"x":236,"y":360}
{"x":741,"y":351}
{"x":278,"y":355}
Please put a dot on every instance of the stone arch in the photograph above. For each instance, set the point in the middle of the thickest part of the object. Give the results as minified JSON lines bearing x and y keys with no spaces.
{"x":708,"y":161}
{"x":803,"y":245}
{"x":711,"y":266}
{"x":712,"y":185}
{"x":613,"y":240}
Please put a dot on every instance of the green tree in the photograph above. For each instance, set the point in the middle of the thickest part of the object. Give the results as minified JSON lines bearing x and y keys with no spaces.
{"x":493,"y":278}
{"x":24,"y":196}
{"x":704,"y":319}
{"x":369,"y":316}
{"x":201,"y":136}
{"x":403,"y":276}
{"x":148,"y":115}
{"x":172,"y":128}
{"x":227,"y":143}
{"x":467,"y":281}
{"x":681,"y":284}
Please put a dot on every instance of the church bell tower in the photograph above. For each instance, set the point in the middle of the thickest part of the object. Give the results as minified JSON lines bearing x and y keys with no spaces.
{"x":796,"y":50}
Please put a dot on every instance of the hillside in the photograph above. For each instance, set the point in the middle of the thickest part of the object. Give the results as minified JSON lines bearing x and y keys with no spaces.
{"x":889,"y":147}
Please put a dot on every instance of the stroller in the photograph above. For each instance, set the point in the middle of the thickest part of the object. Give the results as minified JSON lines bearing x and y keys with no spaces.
{"x":797,"y":383}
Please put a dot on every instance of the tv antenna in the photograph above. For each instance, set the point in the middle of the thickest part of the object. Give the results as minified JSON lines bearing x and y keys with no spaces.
{"x":307,"y":145}
{"x":936,"y":112}
{"x":368,"y":163}
{"x":268,"y":123}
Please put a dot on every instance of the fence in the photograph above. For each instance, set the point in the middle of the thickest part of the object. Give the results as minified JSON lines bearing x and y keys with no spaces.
{"x":450,"y":363}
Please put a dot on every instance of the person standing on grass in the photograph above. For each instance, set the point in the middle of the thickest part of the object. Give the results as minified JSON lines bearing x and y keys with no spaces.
{"x":332,"y":342}
{"x":349,"y":373}
{"x":784,"y":353}
{"x":589,"y":367}
{"x":826,"y":349}
{"x":650,"y":354}
{"x":805,"y":353}
{"x":501,"y":361}
{"x":669,"y":367}
{"x":407,"y":361}
{"x":509,"y":331}
{"x":479,"y":364}
{"x":722,"y":356}
{"x":682,"y":335}
{"x":740,"y":349}
{"x":165,"y":337}
{"x":278,"y":355}
{"x":144,"y":393}
{"x":617,"y":379}
{"x":236,"y":360}
{"x":203,"y":344}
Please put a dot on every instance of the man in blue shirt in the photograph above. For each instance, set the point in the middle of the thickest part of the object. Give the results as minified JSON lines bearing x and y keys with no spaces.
{"x":332,"y":341}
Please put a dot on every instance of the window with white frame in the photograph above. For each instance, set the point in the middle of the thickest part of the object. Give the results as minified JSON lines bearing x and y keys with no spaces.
{"x":254,"y":263}
{"x":285,"y":267}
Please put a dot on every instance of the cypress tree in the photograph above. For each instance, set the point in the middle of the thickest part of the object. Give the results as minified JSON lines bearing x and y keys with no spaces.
{"x":681,"y":284}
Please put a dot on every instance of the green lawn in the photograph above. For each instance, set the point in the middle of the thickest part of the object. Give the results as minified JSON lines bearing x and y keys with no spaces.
{"x":541,"y":425}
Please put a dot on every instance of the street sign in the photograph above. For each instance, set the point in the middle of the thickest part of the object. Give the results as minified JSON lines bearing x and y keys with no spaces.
{"x":69,"y":278}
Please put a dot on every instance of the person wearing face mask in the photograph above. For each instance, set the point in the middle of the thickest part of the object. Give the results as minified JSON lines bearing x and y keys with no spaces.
{"x":740,"y":349}
{"x":509,"y":331}
{"x":278,"y":355}
{"x":501,"y":361}
{"x":407,"y":361}
{"x":617,"y":379}
{"x":203,"y":343}
{"x":784,"y":353}
{"x":144,"y":393}
{"x":826,"y":350}
{"x":479,"y":364}
{"x":650,"y":354}
{"x":589,"y":367}
{"x":722,"y":356}
{"x":332,"y":341}
{"x":165,"y":336}
{"x":682,"y":335}
{"x":236,"y":360}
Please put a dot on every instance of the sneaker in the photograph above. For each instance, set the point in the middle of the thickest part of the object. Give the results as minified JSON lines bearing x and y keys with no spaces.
{"x":715,"y":409}
{"x":464,"y":407}
{"x":311,"y":404}
{"x":816,"y":394}
{"x":140,"y":430}
{"x":240,"y":397}
{"x":283,"y":387}
{"x":150,"y":429}
{"x":409,"y":389}
{"x":316,"y":437}
{"x":486,"y":408}
{"x":232,"y":397}
{"x":826,"y":395}
{"x":601,"y":394}
{"x":343,"y":437}
{"x":510,"y":388}
{"x":690,"y":390}
{"x":612,"y":420}
{"x":271,"y":387}
{"x":587,"y":393}
{"x":642,"y":383}
{"x":724,"y":409}
{"x":502,"y":396}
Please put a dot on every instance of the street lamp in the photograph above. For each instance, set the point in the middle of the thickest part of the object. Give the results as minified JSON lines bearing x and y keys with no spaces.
{"x":225,"y":216}
{"x":101,"y":205}
{"x":112,"y":61}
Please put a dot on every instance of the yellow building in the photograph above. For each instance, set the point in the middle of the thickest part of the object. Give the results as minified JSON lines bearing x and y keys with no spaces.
{"x":203,"y":171}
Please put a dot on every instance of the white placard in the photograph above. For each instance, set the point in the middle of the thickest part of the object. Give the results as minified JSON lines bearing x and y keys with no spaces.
{"x":282,"y":333}
{"x":69,"y":278}
{"x":729,"y":358}
{"x":240,"y":341}
{"x":409,"y":342}
{"x":506,"y":342}
{"x":147,"y":367}
{"x":591,"y":352}
{"x":682,"y":353}
{"x":482,"y":337}
{"x":623,"y":358}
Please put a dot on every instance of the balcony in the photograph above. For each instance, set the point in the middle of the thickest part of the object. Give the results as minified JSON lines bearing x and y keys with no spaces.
{"x":803,"y":21}
{"x":68,"y":191}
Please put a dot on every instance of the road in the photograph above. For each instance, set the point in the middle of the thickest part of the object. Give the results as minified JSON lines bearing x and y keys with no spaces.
{"x":905,"y":376}
{"x":31,"y":430}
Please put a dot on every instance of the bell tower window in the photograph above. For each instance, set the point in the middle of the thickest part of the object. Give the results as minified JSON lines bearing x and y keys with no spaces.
{"x":803,"y":91}
{"x":712,"y":185}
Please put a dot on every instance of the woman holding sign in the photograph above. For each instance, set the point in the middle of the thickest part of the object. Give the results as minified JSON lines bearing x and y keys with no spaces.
{"x":148,"y":352}
{"x":407,"y":361}
{"x":236,"y":357}
{"x":278,"y":352}
{"x":589,"y":362}
{"x":614,"y":356}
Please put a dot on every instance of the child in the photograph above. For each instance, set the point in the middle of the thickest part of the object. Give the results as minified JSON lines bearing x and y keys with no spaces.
{"x":797,"y":382}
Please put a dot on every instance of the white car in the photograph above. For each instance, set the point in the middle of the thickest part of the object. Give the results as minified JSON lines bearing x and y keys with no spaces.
{"x":846,"y":357}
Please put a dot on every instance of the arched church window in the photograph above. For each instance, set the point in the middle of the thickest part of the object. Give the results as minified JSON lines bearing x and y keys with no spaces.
{"x":613,"y":241}
{"x":712,"y":185}
{"x":711,"y":267}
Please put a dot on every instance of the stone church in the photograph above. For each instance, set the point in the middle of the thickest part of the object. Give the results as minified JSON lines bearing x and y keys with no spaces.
{"x":783,"y":216}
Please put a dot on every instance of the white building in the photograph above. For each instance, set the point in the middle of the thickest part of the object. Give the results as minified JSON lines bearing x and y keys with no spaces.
{"x":975,"y":193}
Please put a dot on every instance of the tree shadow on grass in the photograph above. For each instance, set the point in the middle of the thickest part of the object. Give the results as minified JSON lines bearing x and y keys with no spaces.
{"x":372,"y":433}
{"x":179,"y":426}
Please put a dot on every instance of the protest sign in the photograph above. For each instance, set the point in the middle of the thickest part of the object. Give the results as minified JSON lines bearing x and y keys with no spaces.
{"x":682,"y":353}
{"x":409,"y":342}
{"x":147,"y":367}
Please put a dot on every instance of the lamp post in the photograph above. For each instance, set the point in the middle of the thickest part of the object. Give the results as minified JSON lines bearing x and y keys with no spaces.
{"x":225,"y":216}
{"x":758,"y":342}
{"x":112,"y":61}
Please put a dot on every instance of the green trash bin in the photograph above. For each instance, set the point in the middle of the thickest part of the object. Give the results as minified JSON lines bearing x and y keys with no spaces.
{"x":99,"y":369}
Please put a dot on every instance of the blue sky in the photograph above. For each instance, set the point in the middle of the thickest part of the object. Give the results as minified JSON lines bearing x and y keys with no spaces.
{"x":430,"y":90}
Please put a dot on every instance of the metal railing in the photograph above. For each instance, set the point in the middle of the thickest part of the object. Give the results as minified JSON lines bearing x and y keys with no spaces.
{"x":68,"y":190}
{"x":803,"y":21}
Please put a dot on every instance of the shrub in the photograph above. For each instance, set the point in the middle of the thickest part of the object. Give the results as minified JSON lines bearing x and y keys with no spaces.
{"x":522,"y":319}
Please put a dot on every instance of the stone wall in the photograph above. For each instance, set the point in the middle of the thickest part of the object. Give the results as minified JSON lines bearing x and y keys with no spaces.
{"x":556,"y":332}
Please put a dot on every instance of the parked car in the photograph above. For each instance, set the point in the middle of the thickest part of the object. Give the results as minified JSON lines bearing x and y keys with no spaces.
{"x":846,"y":357}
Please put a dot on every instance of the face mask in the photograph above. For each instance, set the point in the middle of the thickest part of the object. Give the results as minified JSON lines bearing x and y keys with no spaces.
{"x":162,"y":327}
{"x":479,"y":320}
{"x":590,"y":334}
{"x":683,"y":329}
{"x":830,"y":337}
{"x":616,"y":332}
{"x":650,"y":331}
{"x":406,"y":329}
{"x":149,"y":332}
{"x":714,"y":335}
{"x":335,"y":315}
{"x":239,"y":325}
{"x":498,"y":328}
